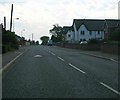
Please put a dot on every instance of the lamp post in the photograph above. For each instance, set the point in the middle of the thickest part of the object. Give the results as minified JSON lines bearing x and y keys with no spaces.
{"x":14,"y":21}
{"x":22,"y":38}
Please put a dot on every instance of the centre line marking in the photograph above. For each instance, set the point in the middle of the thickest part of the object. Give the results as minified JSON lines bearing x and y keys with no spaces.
{"x":53,"y":54}
{"x":61,"y":58}
{"x":77,"y":68}
{"x":115,"y":91}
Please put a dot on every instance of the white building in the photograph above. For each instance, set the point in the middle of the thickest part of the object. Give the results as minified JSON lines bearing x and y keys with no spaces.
{"x":69,"y":34}
{"x":86,"y":29}
{"x":119,"y":10}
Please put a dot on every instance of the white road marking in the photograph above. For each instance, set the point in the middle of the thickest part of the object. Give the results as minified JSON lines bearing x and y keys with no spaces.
{"x":61,"y":58}
{"x":77,"y":68}
{"x":52,"y":53}
{"x":113,"y":60}
{"x":6,"y":66}
{"x":37,"y":56}
{"x":115,"y":91}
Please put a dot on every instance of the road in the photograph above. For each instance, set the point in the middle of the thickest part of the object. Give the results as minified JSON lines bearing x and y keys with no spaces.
{"x":54,"y":72}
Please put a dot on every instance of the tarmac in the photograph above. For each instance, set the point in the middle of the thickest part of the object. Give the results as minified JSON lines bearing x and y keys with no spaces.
{"x":12,"y":56}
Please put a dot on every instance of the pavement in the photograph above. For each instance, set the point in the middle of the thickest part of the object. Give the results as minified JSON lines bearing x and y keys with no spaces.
{"x":99,"y":54}
{"x":8,"y":57}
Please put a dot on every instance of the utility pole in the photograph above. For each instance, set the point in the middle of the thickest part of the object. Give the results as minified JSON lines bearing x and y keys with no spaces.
{"x":5,"y":22}
{"x":11,"y":18}
{"x":32,"y":36}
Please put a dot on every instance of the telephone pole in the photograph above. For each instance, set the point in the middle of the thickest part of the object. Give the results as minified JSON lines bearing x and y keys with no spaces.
{"x":11,"y":18}
{"x":32,"y":36}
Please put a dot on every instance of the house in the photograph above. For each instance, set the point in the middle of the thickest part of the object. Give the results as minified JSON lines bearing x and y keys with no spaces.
{"x":109,"y":26}
{"x":68,"y":34}
{"x":86,"y":29}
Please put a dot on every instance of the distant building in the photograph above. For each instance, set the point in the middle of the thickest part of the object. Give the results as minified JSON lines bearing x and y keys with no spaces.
{"x":69,"y":34}
{"x":119,"y":10}
{"x":109,"y":26}
{"x":87,"y":29}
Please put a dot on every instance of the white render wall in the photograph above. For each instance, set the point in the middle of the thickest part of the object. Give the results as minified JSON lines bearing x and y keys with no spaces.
{"x":70,"y":36}
{"x":75,"y":33}
{"x":119,"y":10}
{"x":87,"y":36}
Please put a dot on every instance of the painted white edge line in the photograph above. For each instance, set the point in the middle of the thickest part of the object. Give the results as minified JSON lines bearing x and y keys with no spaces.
{"x":7,"y":65}
{"x":77,"y":68}
{"x":115,"y":91}
{"x":61,"y":58}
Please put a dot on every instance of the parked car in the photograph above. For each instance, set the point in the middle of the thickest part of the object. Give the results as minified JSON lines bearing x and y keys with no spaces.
{"x":83,"y":42}
{"x":50,"y":43}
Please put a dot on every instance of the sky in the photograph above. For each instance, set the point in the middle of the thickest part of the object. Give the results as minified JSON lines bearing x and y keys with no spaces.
{"x":37,"y":17}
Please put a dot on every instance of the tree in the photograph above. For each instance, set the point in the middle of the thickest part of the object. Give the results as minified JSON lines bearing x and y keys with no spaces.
{"x":44,"y":40}
{"x":37,"y":42}
{"x":115,"y":35}
{"x":56,"y":33}
{"x":9,"y":41}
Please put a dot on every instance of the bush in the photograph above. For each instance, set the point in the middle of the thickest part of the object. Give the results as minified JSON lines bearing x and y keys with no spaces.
{"x":93,"y":41}
{"x":9,"y":41}
{"x":115,"y":35}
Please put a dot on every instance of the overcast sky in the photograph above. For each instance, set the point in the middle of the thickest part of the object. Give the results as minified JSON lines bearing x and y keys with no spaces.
{"x":38,"y":16}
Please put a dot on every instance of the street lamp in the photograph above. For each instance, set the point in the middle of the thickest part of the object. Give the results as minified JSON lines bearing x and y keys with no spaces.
{"x":13,"y":22}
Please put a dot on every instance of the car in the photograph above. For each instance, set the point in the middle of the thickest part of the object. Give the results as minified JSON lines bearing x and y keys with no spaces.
{"x":83,"y":42}
{"x":50,"y":43}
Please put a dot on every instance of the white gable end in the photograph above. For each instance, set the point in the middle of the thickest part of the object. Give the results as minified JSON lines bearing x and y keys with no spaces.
{"x":83,"y":33}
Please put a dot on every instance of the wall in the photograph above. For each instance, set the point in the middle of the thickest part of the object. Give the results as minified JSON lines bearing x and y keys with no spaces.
{"x":70,"y":37}
{"x":87,"y":36}
{"x":110,"y":48}
{"x":76,"y":33}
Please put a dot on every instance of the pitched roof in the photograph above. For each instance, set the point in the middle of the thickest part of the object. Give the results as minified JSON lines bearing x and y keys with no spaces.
{"x":66,"y":29}
{"x":112,"y":22}
{"x":91,"y":24}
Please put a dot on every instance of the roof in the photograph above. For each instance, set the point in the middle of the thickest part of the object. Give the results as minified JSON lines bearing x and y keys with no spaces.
{"x":112,"y":22}
{"x":66,"y":29}
{"x":91,"y":24}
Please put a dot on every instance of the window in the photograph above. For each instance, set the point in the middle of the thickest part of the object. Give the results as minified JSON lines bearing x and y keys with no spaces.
{"x":69,"y":35}
{"x":90,"y":32}
{"x":98,"y":32}
{"x":82,"y":32}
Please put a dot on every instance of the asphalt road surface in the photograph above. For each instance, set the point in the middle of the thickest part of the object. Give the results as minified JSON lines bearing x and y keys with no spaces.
{"x":54,"y":72}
